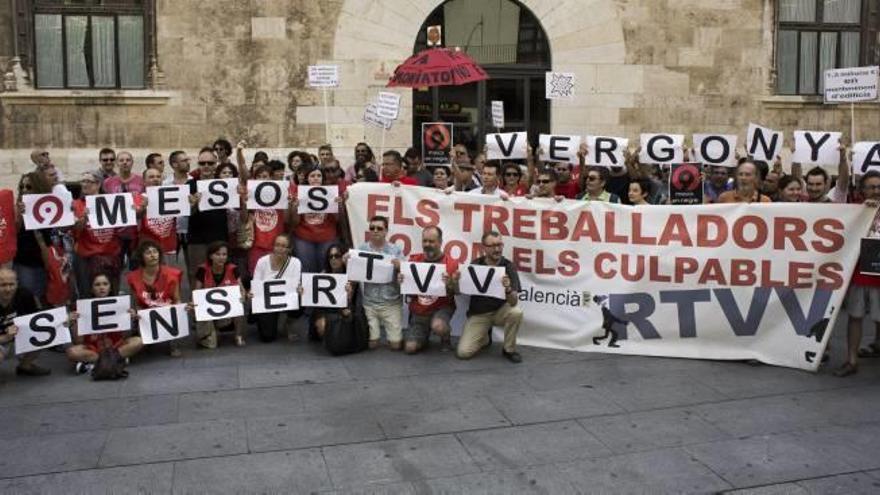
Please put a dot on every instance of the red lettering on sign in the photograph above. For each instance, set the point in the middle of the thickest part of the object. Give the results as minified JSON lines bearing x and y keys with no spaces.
{"x":523,"y":223}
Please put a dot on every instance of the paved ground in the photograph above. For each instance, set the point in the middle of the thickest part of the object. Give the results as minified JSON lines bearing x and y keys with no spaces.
{"x":286,"y":418}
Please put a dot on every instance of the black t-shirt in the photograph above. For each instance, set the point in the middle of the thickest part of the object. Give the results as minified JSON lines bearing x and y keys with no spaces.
{"x":28,"y":252}
{"x":619,"y":185}
{"x":200,"y":275}
{"x":206,"y":227}
{"x":483,"y":304}
{"x":23,"y":303}
{"x":423,"y":177}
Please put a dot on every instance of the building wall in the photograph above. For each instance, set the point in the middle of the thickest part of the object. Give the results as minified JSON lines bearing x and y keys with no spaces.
{"x":237,"y":69}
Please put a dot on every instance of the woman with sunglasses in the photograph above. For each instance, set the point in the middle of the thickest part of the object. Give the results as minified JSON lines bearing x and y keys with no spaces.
{"x":512,"y":180}
{"x":154,"y":284}
{"x":313,"y":232}
{"x":324,"y":318}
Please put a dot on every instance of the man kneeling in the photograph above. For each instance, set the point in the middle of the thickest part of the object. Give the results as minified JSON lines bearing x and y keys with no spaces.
{"x":431,"y":314}
{"x":486,"y":312}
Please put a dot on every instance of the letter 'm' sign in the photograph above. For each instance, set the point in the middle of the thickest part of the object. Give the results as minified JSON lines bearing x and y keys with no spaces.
{"x":102,"y":315}
{"x":507,"y":146}
{"x":661,"y":148}
{"x":482,"y":280}
{"x":111,"y":210}
{"x":217,"y":303}
{"x":163,"y":323}
{"x":168,"y":201}
{"x":365,"y":266}
{"x":324,"y":290}
{"x":218,"y":194}
{"x":317,"y":199}
{"x":41,"y":330}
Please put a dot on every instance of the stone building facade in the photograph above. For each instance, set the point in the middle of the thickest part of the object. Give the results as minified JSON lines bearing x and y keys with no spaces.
{"x":237,"y":69}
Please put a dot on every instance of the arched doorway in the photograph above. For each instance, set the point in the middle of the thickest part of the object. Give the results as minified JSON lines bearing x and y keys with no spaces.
{"x":510,"y":44}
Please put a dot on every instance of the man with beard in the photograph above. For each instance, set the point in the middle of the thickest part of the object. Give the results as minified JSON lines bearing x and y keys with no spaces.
{"x":16,"y":301}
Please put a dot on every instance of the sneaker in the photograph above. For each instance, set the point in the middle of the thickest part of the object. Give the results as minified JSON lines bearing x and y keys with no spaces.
{"x":32,"y":370}
{"x":513,"y":357}
{"x":82,"y":368}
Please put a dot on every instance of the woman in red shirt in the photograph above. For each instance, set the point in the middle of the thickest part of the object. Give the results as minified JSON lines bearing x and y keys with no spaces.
{"x":267,"y":224}
{"x":512,"y":180}
{"x":97,"y":250}
{"x":154,"y":284}
{"x":162,"y":231}
{"x":88,"y":347}
{"x":218,"y":272}
{"x":313,"y":232}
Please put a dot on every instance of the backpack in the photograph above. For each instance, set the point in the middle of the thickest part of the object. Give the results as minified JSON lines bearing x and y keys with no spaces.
{"x":110,"y":365}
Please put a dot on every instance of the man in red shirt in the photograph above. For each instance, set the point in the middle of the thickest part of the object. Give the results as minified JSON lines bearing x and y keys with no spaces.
{"x":431,"y":314}
{"x":392,"y":170}
{"x":566,"y":186}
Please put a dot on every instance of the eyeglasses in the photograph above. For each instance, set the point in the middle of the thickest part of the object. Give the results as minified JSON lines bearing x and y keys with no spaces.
{"x":335,"y":256}
{"x":493,"y":246}
{"x":89,"y":181}
{"x":461,"y":153}
{"x":108,"y":159}
{"x":203,"y":164}
{"x":511,"y":174}
{"x":543,"y":181}
{"x":376,"y":228}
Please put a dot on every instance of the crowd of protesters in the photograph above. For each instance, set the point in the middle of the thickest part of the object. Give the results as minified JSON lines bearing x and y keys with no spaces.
{"x":161,"y":260}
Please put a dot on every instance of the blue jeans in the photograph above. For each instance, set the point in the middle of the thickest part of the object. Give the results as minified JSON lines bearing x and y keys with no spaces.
{"x":312,"y":255}
{"x":32,"y":278}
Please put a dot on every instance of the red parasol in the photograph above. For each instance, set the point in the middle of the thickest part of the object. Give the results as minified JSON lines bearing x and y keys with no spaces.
{"x":437,"y":67}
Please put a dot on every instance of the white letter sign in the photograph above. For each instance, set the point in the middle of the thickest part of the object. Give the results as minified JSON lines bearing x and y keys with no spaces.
{"x":217,"y":303}
{"x":168,"y":201}
{"x":317,"y":199}
{"x":715,"y":149}
{"x":366,"y":266}
{"x":111,"y":210}
{"x":46,"y":211}
{"x":267,"y":194}
{"x":324,"y":290}
{"x":819,"y":148}
{"x":661,"y":149}
{"x":163,"y":323}
{"x":423,"y":279}
{"x":41,"y":330}
{"x":481,"y":280}
{"x":604,"y":151}
{"x":763,"y":143}
{"x":866,"y":156}
{"x":218,"y":194}
{"x":559,"y":148}
{"x":275,"y":294}
{"x":507,"y":146}
{"x":103,"y":315}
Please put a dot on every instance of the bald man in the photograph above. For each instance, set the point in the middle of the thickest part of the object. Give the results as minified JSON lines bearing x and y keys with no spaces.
{"x":42,"y":162}
{"x":16,"y":301}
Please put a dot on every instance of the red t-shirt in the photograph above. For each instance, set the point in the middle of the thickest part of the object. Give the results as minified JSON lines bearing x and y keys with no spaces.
{"x":426,"y":305}
{"x":162,"y":231}
{"x":406,"y":180}
{"x":267,"y":225}
{"x":94,"y":242}
{"x":8,"y":231}
{"x":316,"y":227}
{"x":98,"y":342}
{"x":160,"y":293}
{"x":568,"y":190}
{"x":57,"y":275}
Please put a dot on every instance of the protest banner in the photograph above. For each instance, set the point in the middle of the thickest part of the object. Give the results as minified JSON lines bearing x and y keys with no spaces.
{"x":217,"y":303}
{"x":866,"y":156}
{"x":388,"y":105}
{"x":268,"y":194}
{"x":422,"y":279}
{"x":324,"y":290}
{"x":218,"y":194}
{"x":47,"y":211}
{"x":323,"y":76}
{"x":371,"y":117}
{"x":850,"y":85}
{"x":498,"y":114}
{"x":481,"y":280}
{"x":816,"y":148}
{"x":507,"y":146}
{"x":366,"y":266}
{"x":103,"y":315}
{"x":726,"y":281}
{"x":685,"y":184}
{"x":163,"y":323}
{"x":604,"y":151}
{"x":317,"y":199}
{"x":111,"y":210}
{"x":168,"y":201}
{"x":558,"y":148}
{"x":661,"y":149}
{"x":436,"y":143}
{"x":41,"y":330}
{"x":275,"y":294}
{"x":763,"y":143}
{"x":715,"y":149}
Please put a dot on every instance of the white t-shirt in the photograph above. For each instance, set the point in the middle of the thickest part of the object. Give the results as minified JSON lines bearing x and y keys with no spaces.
{"x":263,"y":269}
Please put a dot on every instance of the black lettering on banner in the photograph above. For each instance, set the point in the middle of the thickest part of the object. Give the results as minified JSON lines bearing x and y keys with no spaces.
{"x":761,"y":139}
{"x":815,"y":146}
{"x":225,"y":307}
{"x":872,"y":158}
{"x":667,"y":153}
{"x":37,"y":326}
{"x":422,"y":285}
{"x":107,"y":215}
{"x":317,"y":287}
{"x":554,"y":148}
{"x":269,"y":295}
{"x":607,"y":147}
{"x":218,"y":189}
{"x":318,"y":199}
{"x":166,"y":202}
{"x":506,"y":150}
{"x":704,"y":150}
{"x":258,"y":194}
{"x":371,"y":257}
{"x":97,"y":314}
{"x":172,"y":327}
{"x":482,"y":288}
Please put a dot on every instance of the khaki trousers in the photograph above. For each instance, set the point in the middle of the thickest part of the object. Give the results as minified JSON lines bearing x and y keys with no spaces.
{"x":475,"y":334}
{"x":388,"y":315}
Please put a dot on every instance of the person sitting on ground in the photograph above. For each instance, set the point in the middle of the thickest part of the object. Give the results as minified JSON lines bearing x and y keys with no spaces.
{"x":340,"y":329}
{"x":154,"y":284}
{"x":84,"y":354}
{"x":16,"y":301}
{"x":279,"y":264}
{"x":382,"y":302}
{"x":218,"y":272}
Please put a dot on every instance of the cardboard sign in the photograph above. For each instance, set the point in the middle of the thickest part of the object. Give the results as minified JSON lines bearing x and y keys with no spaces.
{"x":218,"y":194}
{"x":436,"y":143}
{"x":47,"y":211}
{"x":498,"y":114}
{"x":268,"y":194}
{"x":163,"y":323}
{"x":371,"y":117}
{"x":317,"y":199}
{"x":168,"y":201}
{"x":559,"y":85}
{"x":715,"y":149}
{"x":507,"y":146}
{"x":763,"y":143}
{"x":111,"y":210}
{"x":559,"y":148}
{"x":866,"y":156}
{"x":366,"y":266}
{"x":323,"y":76}
{"x":422,"y":279}
{"x":685,"y":184}
{"x":103,"y":315}
{"x":605,"y":151}
{"x":41,"y":330}
{"x":869,"y":256}
{"x":217,"y":303}
{"x":851,"y":85}
{"x":482,"y":280}
{"x":324,"y":290}
{"x":661,"y":149}
{"x":388,"y":105}
{"x":275,"y":294}
{"x":815,"y":147}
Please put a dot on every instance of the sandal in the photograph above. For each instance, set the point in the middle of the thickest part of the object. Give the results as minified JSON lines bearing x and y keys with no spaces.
{"x":239,"y":341}
{"x":872,"y":351}
{"x":846,"y":369}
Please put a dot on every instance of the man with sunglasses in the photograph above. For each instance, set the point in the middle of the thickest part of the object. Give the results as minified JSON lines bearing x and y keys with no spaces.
{"x":107,"y":157}
{"x":383,"y":302}
{"x":545,"y":185}
{"x":363,"y":158}
{"x":223,"y":150}
{"x":485,"y":312}
{"x":204,"y":227}
{"x":595,"y":186}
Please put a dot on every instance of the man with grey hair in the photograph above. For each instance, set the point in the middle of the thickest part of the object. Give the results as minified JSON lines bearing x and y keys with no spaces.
{"x":16,"y":301}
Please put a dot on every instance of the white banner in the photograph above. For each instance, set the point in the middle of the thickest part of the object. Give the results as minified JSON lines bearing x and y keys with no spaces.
{"x":47,"y":211}
{"x":733,"y":281}
{"x":605,"y":151}
{"x":317,"y":199}
{"x":268,"y":194}
{"x":217,"y":303}
{"x":163,"y":323}
{"x":218,"y":194}
{"x":41,"y":330}
{"x":103,"y":315}
{"x":111,"y":210}
{"x":324,"y":290}
{"x":507,"y":146}
{"x":852,"y":84}
{"x":168,"y":201}
{"x":388,"y":105}
{"x":275,"y":294}
{"x":323,"y":76}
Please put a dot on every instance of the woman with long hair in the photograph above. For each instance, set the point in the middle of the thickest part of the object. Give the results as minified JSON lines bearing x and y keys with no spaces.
{"x":28,"y":262}
{"x":279,"y":264}
{"x":218,"y":271}
{"x":313,"y":232}
{"x":154,"y":284}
